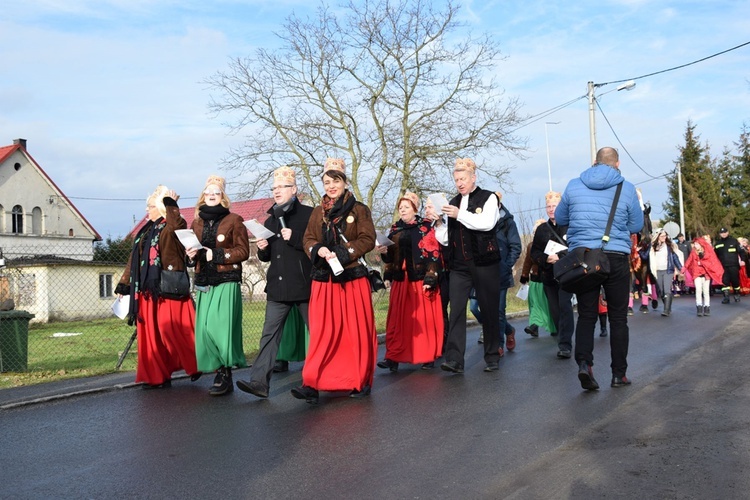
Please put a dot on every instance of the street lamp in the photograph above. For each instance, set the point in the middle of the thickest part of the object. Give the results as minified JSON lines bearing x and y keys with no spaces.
{"x":592,"y":124}
{"x":546,"y":140}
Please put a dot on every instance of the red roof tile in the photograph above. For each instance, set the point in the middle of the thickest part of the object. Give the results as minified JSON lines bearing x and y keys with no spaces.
{"x":249,"y":209}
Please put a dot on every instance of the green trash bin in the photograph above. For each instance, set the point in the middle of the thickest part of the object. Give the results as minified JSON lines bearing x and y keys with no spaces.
{"x":14,"y":340}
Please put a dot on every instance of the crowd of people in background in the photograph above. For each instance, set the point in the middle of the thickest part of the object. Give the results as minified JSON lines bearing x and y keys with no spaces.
{"x":458,"y":254}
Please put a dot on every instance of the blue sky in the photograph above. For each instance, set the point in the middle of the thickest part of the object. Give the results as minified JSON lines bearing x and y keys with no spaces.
{"x":109,"y":93}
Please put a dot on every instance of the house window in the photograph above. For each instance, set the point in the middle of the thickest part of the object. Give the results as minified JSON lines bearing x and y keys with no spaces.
{"x":105,"y":286}
{"x":17,"y":218}
{"x":36,"y":221}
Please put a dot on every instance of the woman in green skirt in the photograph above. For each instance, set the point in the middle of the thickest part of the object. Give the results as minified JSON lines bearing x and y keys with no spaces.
{"x":538,"y":307}
{"x":218,"y":273}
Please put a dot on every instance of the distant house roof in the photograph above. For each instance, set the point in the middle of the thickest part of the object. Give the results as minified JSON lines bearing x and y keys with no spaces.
{"x":249,"y":209}
{"x":20,"y":145}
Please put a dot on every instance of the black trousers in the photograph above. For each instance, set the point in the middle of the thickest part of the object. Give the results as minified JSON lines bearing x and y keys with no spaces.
{"x":273,"y":327}
{"x":561,"y":310}
{"x":617,"y":291}
{"x":484,"y":279}
{"x":731,"y":278}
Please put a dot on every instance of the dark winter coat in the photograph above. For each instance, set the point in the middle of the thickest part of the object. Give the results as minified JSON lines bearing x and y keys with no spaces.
{"x":510,"y":245}
{"x":288,"y":276}
{"x":415,"y":249}
{"x":728,"y":251}
{"x":543,"y":234}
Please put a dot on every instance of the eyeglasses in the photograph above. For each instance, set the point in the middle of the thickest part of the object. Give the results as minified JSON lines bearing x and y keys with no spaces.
{"x":149,"y":207}
{"x":279,"y":188}
{"x":209,"y":193}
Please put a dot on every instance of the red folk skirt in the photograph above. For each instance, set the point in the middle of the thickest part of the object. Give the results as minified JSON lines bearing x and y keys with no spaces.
{"x":414,"y":328}
{"x":166,"y":339}
{"x":343,"y":345}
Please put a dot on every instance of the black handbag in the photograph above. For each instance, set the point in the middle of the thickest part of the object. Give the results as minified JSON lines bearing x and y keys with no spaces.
{"x":174,"y":284}
{"x":373,"y":275}
{"x":583,"y":269}
{"x":376,"y":280}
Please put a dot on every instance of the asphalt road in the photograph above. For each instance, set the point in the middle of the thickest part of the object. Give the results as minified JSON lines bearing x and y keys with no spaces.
{"x":682,"y":430}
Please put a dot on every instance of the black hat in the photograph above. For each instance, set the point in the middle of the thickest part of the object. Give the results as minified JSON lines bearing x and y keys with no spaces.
{"x":723,"y":230}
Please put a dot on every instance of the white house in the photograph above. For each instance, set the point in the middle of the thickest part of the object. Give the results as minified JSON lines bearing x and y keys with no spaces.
{"x":48,"y":246}
{"x":35,"y":213}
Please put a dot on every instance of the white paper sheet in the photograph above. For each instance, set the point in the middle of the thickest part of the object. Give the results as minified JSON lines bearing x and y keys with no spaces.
{"x":523,"y":292}
{"x":554,"y":247}
{"x":438,"y":201}
{"x":258,"y":230}
{"x":382,"y":240}
{"x":121,"y":306}
{"x":188,"y":239}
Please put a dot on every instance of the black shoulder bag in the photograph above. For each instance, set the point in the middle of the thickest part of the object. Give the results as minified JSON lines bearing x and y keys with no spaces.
{"x":174,"y":284}
{"x":376,"y":280}
{"x":583,"y":269}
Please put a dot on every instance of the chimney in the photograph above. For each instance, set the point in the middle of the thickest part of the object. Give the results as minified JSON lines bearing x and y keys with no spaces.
{"x":20,"y":142}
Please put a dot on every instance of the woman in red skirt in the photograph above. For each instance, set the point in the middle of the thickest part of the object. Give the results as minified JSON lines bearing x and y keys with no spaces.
{"x":343,"y":342}
{"x":165,"y":326}
{"x":414,"y":328}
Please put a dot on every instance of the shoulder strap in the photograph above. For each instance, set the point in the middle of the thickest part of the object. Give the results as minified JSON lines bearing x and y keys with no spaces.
{"x":605,"y":238}
{"x":554,"y":233}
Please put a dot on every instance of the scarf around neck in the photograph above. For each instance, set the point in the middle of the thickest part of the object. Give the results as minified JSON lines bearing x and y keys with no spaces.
{"x":212,"y":213}
{"x":334,"y":211}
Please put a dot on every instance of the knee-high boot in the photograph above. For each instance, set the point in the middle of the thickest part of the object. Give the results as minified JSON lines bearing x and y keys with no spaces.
{"x":667,"y":305}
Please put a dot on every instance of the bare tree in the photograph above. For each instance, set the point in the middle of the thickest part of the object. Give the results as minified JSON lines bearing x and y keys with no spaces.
{"x":389,"y":85}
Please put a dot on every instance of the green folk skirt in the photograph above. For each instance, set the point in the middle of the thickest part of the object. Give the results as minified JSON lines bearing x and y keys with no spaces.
{"x":293,"y":345}
{"x":539,"y":308}
{"x":218,"y":328}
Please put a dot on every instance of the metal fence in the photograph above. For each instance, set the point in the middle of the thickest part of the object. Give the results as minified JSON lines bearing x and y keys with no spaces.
{"x":70,"y":295}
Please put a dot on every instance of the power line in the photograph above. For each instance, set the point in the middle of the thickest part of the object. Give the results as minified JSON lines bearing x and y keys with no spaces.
{"x":545,"y":114}
{"x":620,"y":142}
{"x":676,"y":67}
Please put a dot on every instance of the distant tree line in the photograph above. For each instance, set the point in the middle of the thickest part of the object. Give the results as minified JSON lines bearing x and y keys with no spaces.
{"x":715,"y":189}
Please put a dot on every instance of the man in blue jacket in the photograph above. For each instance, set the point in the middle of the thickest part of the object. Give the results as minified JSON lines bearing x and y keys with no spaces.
{"x":585,"y":208}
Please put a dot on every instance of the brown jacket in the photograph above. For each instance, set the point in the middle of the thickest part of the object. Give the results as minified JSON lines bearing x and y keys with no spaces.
{"x":230,"y":247}
{"x":530,"y":268}
{"x":360,"y":233}
{"x":171,"y":251}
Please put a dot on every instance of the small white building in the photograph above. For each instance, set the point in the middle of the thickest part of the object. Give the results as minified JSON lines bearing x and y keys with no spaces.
{"x":35,"y":213}
{"x":49,"y":243}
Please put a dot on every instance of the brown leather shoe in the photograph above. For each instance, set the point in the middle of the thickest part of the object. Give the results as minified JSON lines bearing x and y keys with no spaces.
{"x":510,"y":340}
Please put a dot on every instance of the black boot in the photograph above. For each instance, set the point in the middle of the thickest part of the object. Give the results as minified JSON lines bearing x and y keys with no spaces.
{"x":706,"y":311}
{"x":603,"y":324}
{"x":736,"y":297}
{"x":667,"y":305}
{"x":532,"y":330}
{"x":390,"y":365}
{"x":280,"y":366}
{"x":224,"y":385}
{"x":699,"y":310}
{"x":725,"y":300}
